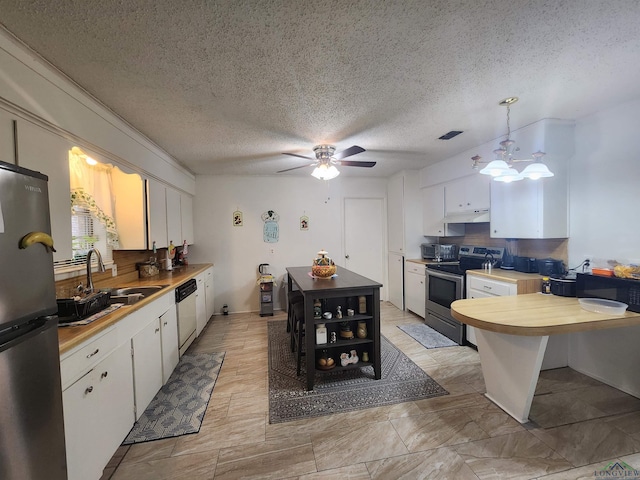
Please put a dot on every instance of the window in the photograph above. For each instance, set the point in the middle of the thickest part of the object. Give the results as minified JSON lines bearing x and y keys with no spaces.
{"x":92,"y":224}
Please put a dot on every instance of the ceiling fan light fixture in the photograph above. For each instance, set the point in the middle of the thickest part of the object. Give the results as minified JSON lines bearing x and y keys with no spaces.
{"x":325,"y":172}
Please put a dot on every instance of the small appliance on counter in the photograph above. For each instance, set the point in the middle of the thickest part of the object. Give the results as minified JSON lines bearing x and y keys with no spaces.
{"x":439,"y":252}
{"x":563,"y":285}
{"x":550,"y":266}
{"x":510,"y":254}
{"x":525,"y":264}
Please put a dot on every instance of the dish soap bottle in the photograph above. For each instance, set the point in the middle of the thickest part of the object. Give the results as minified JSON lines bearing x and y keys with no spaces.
{"x":546,"y":285}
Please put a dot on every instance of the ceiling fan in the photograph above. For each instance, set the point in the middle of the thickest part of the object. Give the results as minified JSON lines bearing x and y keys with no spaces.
{"x":327,"y":159}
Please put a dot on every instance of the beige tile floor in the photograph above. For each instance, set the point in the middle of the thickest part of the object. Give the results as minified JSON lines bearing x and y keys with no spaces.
{"x":578,"y":424}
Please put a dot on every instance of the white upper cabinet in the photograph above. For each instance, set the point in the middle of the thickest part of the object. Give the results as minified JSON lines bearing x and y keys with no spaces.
{"x":433,"y":214}
{"x":130,"y":209}
{"x":174,"y":223}
{"x":157,"y":214}
{"x":537,"y":208}
{"x":7,"y":143}
{"x":186,"y":218}
{"x":170,"y":216}
{"x":467,"y":194}
{"x":48,"y":153}
{"x":404,"y":214}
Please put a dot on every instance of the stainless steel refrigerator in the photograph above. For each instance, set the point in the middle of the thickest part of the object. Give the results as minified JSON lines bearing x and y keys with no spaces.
{"x":31,"y":423}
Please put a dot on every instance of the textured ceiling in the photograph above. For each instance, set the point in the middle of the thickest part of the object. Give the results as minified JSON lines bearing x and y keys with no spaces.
{"x":227,"y":86}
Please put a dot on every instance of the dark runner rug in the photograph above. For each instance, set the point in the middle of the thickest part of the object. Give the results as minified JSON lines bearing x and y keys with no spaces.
{"x":427,"y":336}
{"x":340,"y":391}
{"x":179,"y":407}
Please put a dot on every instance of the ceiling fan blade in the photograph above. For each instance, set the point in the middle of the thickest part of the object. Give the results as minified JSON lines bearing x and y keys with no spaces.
{"x":295,"y":168}
{"x":299,"y":156}
{"x":352,"y":163}
{"x":348,"y":152}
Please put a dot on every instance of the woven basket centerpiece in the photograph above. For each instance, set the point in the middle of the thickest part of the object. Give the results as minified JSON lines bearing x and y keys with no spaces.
{"x":323,"y":266}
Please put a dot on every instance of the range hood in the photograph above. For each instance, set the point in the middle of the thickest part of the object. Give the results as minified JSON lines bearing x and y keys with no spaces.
{"x":471,"y":216}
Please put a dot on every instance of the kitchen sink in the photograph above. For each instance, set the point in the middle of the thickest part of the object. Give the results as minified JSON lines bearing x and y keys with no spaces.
{"x":131,"y":295}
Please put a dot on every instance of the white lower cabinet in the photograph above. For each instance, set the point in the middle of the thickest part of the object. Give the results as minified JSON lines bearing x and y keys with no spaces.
{"x":98,"y":414}
{"x":480,"y":287}
{"x":201,"y":305}
{"x":169,"y":335}
{"x":208,"y":288}
{"x":414,"y":288}
{"x":146,"y":349}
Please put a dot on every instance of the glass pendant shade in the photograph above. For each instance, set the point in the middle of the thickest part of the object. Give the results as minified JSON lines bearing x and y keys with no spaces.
{"x":495,"y":168}
{"x":536,"y":171}
{"x":511,"y":175}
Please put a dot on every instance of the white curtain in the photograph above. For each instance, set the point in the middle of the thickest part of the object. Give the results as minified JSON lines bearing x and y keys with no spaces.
{"x":91,"y":189}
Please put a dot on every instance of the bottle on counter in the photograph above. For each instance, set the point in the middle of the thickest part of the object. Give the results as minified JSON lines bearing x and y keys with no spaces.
{"x":546,"y":285}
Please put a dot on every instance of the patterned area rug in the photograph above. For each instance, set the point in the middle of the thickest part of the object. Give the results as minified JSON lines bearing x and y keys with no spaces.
{"x":179,"y":407}
{"x":340,"y":391}
{"x":427,"y":336}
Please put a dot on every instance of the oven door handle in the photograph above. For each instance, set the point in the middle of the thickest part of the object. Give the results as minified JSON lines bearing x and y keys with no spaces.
{"x":444,"y":275}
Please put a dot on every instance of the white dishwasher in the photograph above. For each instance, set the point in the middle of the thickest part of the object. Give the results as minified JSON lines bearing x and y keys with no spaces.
{"x":186,"y":307}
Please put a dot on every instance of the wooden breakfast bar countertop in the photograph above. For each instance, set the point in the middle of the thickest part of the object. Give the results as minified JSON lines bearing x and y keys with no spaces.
{"x":535,"y":314}
{"x":512,"y":334}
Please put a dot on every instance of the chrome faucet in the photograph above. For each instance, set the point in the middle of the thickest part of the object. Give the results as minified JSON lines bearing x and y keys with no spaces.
{"x":101,"y":268}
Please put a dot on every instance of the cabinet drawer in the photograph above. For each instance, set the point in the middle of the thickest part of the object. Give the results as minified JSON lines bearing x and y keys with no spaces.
{"x":415,"y":268}
{"x":491,"y":286}
{"x":82,"y":360}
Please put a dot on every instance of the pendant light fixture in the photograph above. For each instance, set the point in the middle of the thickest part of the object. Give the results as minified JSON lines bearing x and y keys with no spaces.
{"x":502,"y":169}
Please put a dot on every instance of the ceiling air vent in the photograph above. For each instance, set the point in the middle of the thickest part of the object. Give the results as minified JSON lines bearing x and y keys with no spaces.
{"x":450,"y":135}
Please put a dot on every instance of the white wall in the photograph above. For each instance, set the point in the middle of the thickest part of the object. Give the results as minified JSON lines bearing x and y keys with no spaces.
{"x":605,"y":193}
{"x":237,"y":251}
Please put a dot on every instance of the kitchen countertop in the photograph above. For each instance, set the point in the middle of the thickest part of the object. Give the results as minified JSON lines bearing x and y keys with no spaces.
{"x":70,"y":337}
{"x":509,"y":276}
{"x":535,"y":314}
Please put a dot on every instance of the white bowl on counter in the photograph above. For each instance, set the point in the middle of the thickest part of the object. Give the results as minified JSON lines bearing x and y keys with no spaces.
{"x":601,"y":305}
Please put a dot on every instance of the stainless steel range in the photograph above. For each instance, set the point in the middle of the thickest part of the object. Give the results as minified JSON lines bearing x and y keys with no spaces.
{"x":445,"y":283}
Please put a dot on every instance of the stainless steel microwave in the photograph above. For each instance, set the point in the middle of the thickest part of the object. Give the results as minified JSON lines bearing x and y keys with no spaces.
{"x":439,"y":252}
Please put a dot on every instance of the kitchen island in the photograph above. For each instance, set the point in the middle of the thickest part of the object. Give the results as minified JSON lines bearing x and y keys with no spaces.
{"x":512,"y":334}
{"x":345,"y":290}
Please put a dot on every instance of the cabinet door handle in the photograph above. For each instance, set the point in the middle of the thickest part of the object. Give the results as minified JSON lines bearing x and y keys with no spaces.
{"x":346,"y":256}
{"x":104,"y":374}
{"x":88,"y":390}
{"x":94,"y":353}
{"x":166,"y":323}
{"x":157,"y":329}
{"x":487,"y":287}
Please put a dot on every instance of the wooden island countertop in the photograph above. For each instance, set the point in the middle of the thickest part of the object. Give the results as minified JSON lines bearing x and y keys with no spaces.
{"x":512,"y":335}
{"x":70,"y":337}
{"x":535,"y":314}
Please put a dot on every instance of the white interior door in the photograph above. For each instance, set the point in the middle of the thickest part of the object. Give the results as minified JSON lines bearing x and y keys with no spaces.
{"x":365,"y":238}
